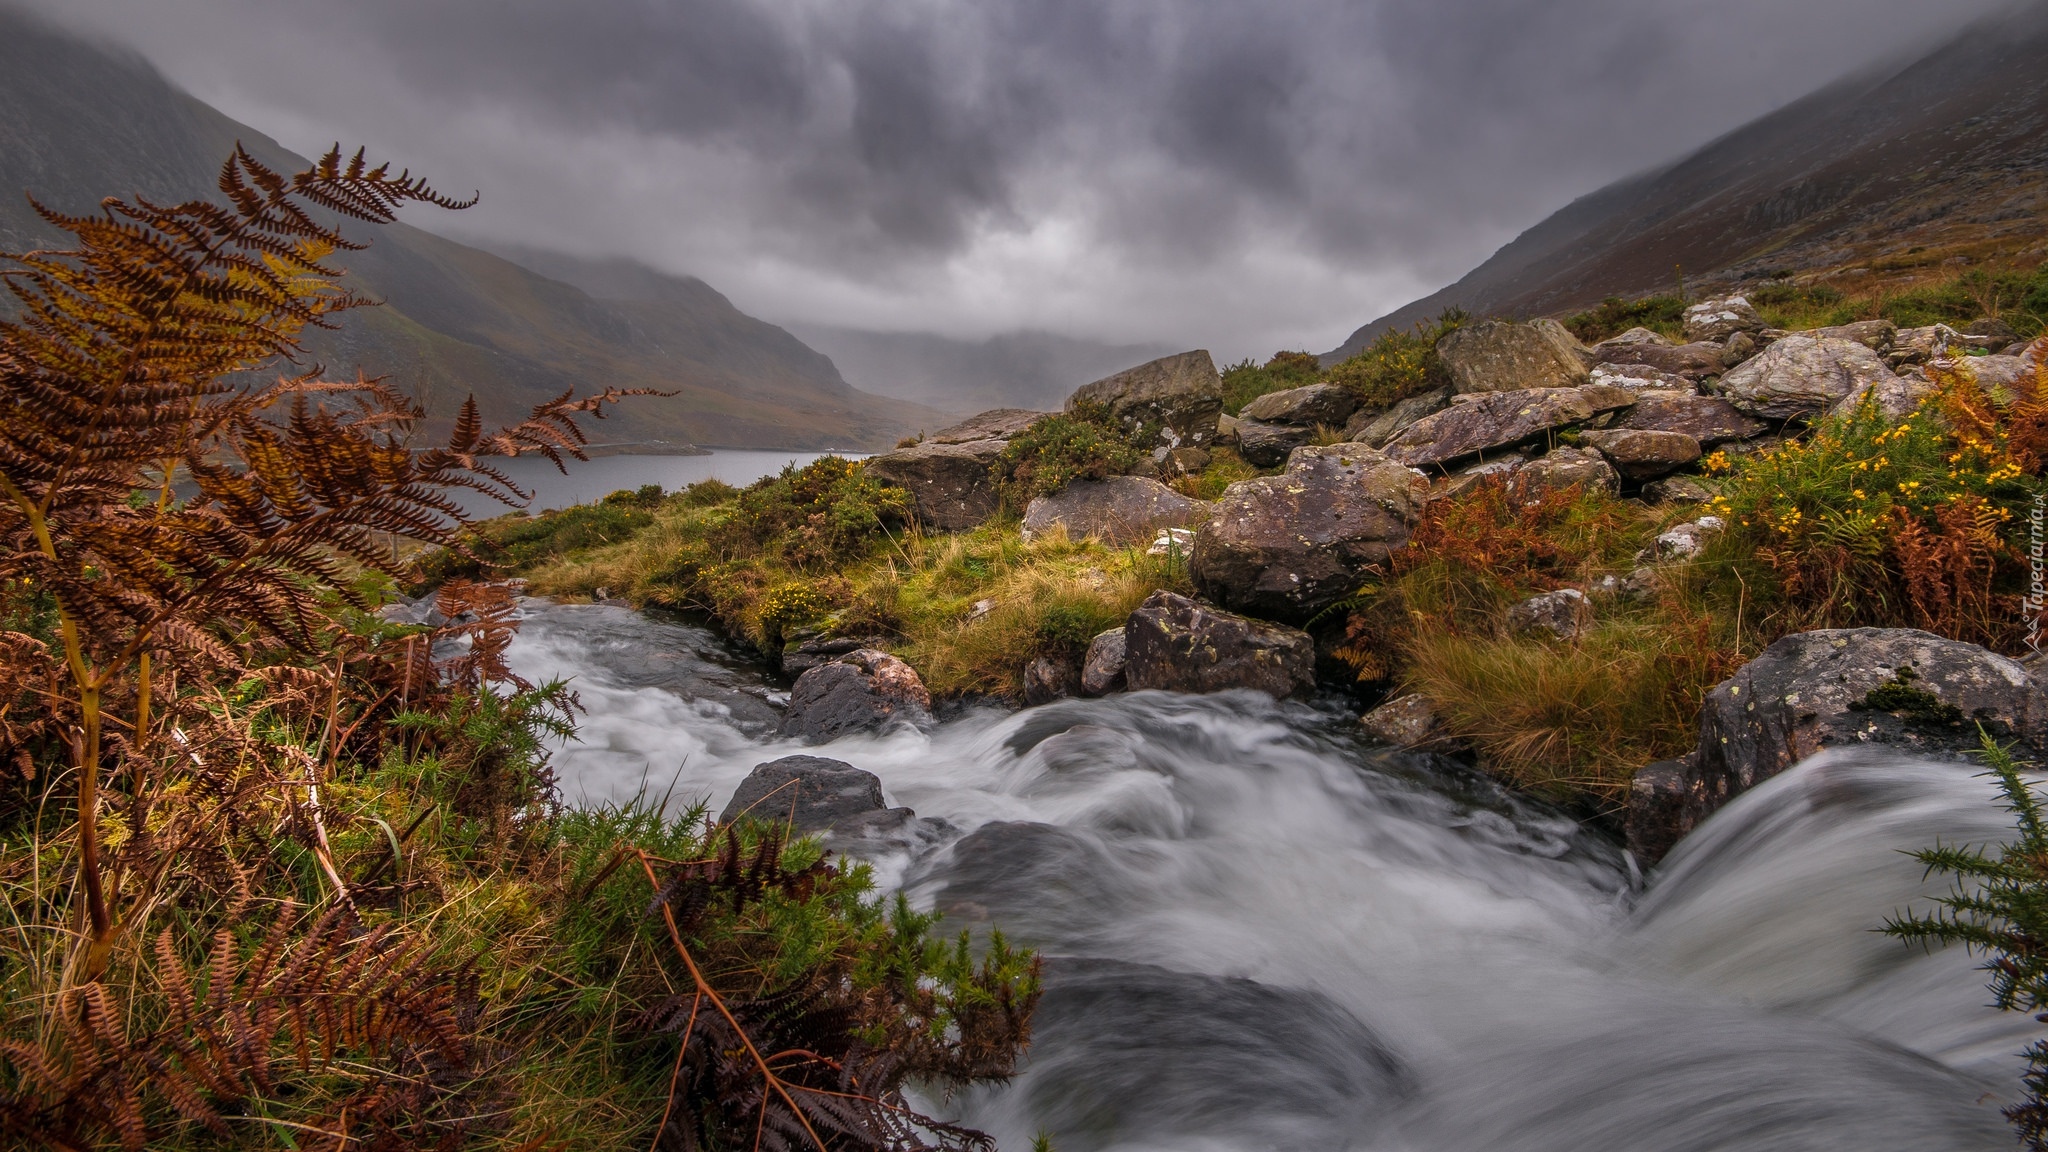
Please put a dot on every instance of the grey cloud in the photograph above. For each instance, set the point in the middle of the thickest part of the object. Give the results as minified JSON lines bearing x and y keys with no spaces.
{"x":1268,"y":172}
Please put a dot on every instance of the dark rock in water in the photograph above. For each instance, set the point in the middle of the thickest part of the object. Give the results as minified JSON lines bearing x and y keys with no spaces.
{"x":812,"y":792}
{"x":1288,"y":546}
{"x":1175,"y":399}
{"x":885,"y":831}
{"x":1040,"y":881}
{"x":1315,"y":404}
{"x":1120,"y":509}
{"x":1181,"y":645}
{"x":804,"y":655}
{"x":1661,"y":808}
{"x":1102,"y":672}
{"x":1132,"y":1055}
{"x":995,"y":424}
{"x":1047,"y":680}
{"x":1896,"y":687}
{"x":952,"y":483}
{"x":1265,"y":445}
{"x":862,"y":691}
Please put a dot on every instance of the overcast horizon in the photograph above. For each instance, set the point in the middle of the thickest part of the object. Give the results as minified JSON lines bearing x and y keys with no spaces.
{"x":1242,"y":178}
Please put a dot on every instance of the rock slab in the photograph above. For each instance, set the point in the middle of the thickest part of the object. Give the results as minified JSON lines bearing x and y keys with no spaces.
{"x":994,"y":424}
{"x":1502,"y":356}
{"x":1119,"y":509}
{"x":862,"y":691}
{"x":812,"y":792}
{"x":1174,"y":400}
{"x":1288,"y":546}
{"x":1497,"y":420}
{"x":1801,"y":376}
{"x":953,"y":484}
{"x":1315,"y":404}
{"x":1182,"y":645}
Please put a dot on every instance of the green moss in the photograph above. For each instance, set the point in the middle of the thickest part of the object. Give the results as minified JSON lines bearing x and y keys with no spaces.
{"x":1916,"y":705}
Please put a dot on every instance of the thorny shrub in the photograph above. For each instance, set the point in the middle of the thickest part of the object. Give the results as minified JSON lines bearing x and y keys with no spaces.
{"x":1056,"y":450}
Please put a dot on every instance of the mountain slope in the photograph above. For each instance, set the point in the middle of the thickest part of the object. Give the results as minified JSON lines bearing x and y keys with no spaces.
{"x":1012,"y":370}
{"x":1947,"y":152}
{"x":79,"y":121}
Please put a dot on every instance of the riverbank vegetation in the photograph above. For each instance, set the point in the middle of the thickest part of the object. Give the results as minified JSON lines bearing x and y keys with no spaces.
{"x":279,"y":873}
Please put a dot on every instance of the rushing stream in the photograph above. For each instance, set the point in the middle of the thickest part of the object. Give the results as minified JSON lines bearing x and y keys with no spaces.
{"x":1268,"y":934}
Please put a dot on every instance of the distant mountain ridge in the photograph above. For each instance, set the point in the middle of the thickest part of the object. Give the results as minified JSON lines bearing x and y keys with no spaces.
{"x":1013,"y":370}
{"x":80,"y":121}
{"x":1948,"y":151}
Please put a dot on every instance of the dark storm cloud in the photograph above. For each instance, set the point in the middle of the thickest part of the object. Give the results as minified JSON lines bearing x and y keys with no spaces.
{"x":1271,"y":171}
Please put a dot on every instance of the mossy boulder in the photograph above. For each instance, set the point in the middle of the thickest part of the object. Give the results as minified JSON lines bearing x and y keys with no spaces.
{"x":1183,"y":645}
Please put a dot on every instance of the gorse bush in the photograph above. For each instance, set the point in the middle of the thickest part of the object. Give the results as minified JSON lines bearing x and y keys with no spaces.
{"x":1397,"y":364}
{"x":1055,"y":451}
{"x":1661,"y":314}
{"x":1246,"y":381}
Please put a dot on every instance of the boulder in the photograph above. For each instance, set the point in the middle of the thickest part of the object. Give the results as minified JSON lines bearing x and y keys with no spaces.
{"x":862,"y":691}
{"x":1330,"y":404}
{"x":1643,"y":455}
{"x":1721,"y":318}
{"x":1457,"y":482}
{"x":1801,"y":376}
{"x":995,"y":424}
{"x":1638,"y":335}
{"x":1264,"y":445}
{"x":1187,"y":461}
{"x":1562,"y":614}
{"x":1182,"y":645}
{"x":1174,"y":400}
{"x":1102,"y":671}
{"x":1561,"y":339}
{"x":803,"y":654}
{"x":1661,"y":809}
{"x":1565,"y":467}
{"x":1501,"y":356}
{"x":1997,"y":332}
{"x":1676,"y":490}
{"x":1934,"y":341}
{"x":1686,"y":540}
{"x":1376,"y":428}
{"x":1288,"y":546}
{"x":1875,"y":335}
{"x":812,"y":792}
{"x":1226,"y":430}
{"x":1640,"y":378}
{"x":1895,"y":396}
{"x":1738,"y":348}
{"x":1047,"y":680}
{"x":1999,"y":376}
{"x":1119,"y":509}
{"x":1497,"y":420}
{"x":1409,"y":721}
{"x":1707,"y":419}
{"x":953,"y":484}
{"x":1899,"y":687}
{"x":1692,"y":361}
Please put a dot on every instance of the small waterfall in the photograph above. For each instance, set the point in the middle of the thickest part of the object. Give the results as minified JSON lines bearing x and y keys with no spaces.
{"x":1266,"y":934}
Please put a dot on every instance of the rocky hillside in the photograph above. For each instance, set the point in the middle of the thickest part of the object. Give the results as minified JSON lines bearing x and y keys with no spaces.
{"x":83,"y":121}
{"x":1903,"y":166}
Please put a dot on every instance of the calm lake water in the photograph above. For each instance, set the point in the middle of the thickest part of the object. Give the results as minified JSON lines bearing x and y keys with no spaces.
{"x":593,"y":479}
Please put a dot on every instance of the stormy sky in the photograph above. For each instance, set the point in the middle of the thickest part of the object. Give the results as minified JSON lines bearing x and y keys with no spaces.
{"x":1240,"y":176}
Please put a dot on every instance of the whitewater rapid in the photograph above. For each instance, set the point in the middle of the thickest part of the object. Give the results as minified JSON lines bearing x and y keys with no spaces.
{"x":1266,"y":933}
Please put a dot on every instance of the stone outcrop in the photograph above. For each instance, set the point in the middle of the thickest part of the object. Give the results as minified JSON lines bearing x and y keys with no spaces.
{"x":1182,"y":645}
{"x":1566,"y":467}
{"x":1499,"y":420}
{"x":1375,"y":428}
{"x":1102,"y":670}
{"x":1897,"y":687}
{"x":1641,"y":378}
{"x":1683,"y":540}
{"x":994,"y":424}
{"x":813,"y":793}
{"x":1721,"y":318}
{"x":1330,"y":404}
{"x":953,"y":484}
{"x":1175,"y":400}
{"x":1676,"y":490}
{"x":1997,"y":374}
{"x":1643,"y":455}
{"x":1500,"y":356}
{"x":1264,"y":445}
{"x":1875,"y":335}
{"x":1409,"y":721}
{"x":1047,"y":679}
{"x":1288,"y":546}
{"x":1801,"y":376}
{"x":1707,"y":419}
{"x":862,"y":691}
{"x":1119,"y":509}
{"x":1934,"y":341}
{"x":1562,"y":614}
{"x":1693,"y":361}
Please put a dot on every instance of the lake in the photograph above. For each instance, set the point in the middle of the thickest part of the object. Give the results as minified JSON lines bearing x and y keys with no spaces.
{"x":594,"y":479}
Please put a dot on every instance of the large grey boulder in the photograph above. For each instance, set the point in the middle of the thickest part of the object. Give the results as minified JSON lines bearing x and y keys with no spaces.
{"x":1897,"y":687}
{"x":812,"y":792}
{"x":1102,"y":670}
{"x":1375,"y":428}
{"x":1641,"y":378}
{"x":1264,"y":445}
{"x":1875,"y":335}
{"x":1896,"y":397}
{"x":1707,"y":419}
{"x":1642,"y":455}
{"x":1801,"y":376}
{"x":953,"y":484}
{"x":1288,"y":546}
{"x":1497,"y":420}
{"x":1175,"y":400}
{"x":1182,"y":645}
{"x":1695,"y":361}
{"x":994,"y":424}
{"x":1566,"y":468}
{"x":1330,"y":404}
{"x":1119,"y":509}
{"x":862,"y":691}
{"x":1934,"y":341}
{"x":1999,"y":376}
{"x":1499,"y":356}
{"x":1721,"y":318}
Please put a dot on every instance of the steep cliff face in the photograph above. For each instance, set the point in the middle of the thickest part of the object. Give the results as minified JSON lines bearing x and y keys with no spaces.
{"x":1949,"y":152}
{"x":80,"y":121}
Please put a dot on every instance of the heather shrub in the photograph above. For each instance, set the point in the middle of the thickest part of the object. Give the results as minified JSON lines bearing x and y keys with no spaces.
{"x":1397,"y":364}
{"x":1085,"y":444}
{"x":1246,"y":381}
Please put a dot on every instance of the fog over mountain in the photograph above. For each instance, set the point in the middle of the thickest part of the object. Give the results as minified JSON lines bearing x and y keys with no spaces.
{"x":1242,"y":177}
